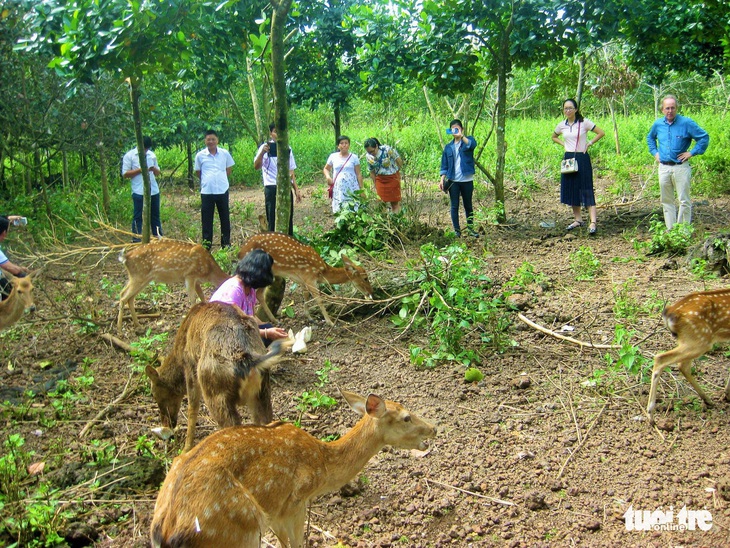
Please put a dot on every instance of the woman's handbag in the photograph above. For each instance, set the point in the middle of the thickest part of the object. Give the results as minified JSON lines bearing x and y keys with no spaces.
{"x":570,"y":165}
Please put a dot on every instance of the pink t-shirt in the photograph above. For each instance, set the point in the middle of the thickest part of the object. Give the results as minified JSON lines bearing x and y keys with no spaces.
{"x":231,"y":292}
{"x":570,"y":133}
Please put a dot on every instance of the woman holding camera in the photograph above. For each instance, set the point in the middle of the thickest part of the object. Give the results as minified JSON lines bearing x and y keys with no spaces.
{"x":385,"y":164}
{"x":576,"y":188}
{"x":457,"y":175}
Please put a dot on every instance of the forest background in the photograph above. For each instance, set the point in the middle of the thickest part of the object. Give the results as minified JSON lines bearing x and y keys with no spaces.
{"x":397,"y":70}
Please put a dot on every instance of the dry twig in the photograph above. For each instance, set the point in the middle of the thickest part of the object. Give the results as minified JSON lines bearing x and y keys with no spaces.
{"x":582,"y":443}
{"x":101,"y":414}
{"x":563,"y":337}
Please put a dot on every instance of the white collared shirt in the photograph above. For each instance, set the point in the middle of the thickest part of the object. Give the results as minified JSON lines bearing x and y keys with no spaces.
{"x":212,"y":167}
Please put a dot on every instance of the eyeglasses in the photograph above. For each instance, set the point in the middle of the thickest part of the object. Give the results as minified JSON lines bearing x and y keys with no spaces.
{"x":568,"y":108}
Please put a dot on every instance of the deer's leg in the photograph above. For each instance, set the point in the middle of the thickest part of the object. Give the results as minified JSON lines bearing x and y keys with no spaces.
{"x":655,"y":372}
{"x":193,"y":288}
{"x":314,"y":292}
{"x":261,"y":299}
{"x":686,"y":369}
{"x":127,"y":297}
{"x":259,"y":401}
{"x":193,"y":408}
{"x":292,"y":529}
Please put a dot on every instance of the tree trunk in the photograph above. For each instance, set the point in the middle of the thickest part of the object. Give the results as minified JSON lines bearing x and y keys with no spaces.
{"x":581,"y":78}
{"x":615,"y":126}
{"x":64,"y":164}
{"x":38,"y":174}
{"x":134,"y":84}
{"x":105,"y":200}
{"x":275,"y":294}
{"x":337,"y":123}
{"x":261,"y":126}
{"x":189,"y":153}
{"x":504,"y":70}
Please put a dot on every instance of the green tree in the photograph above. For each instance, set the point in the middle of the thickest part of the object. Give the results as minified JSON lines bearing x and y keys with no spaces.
{"x":462,"y":42}
{"x":124,"y":37}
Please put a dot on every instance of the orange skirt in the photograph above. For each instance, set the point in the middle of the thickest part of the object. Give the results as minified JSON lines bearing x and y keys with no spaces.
{"x":388,"y":187}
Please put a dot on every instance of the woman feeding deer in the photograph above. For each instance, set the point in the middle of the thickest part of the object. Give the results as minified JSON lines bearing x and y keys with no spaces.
{"x":252,"y":272}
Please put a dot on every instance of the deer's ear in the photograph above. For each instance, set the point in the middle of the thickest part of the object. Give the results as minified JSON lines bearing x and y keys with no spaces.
{"x":152,"y":373}
{"x":375,"y":406}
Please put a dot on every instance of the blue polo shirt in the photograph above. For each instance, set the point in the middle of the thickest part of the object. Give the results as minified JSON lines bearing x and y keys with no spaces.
{"x":675,"y":138}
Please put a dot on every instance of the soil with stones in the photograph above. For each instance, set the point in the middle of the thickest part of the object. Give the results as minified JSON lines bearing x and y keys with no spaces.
{"x":551,"y":448}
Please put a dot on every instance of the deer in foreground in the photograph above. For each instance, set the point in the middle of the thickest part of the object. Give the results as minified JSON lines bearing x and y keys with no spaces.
{"x":19,"y":300}
{"x":167,"y":261}
{"x":241,"y":480}
{"x":698,"y":320}
{"x":217,"y":352}
{"x":301,"y":263}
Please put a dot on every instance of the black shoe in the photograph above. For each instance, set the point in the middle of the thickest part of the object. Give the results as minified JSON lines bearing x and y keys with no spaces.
{"x":457,"y":233}
{"x":592,"y":229}
{"x":574,"y":225}
{"x":473,"y":233}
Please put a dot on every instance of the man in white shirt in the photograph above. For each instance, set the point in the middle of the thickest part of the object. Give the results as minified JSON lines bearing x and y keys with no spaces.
{"x":132,"y":170}
{"x":213,"y":165}
{"x":266,"y":161}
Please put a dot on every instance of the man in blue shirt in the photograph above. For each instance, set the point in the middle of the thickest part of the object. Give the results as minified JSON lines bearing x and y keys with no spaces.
{"x":674,"y":134}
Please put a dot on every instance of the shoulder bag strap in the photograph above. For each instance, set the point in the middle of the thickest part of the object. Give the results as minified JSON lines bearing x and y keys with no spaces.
{"x":341,"y":168}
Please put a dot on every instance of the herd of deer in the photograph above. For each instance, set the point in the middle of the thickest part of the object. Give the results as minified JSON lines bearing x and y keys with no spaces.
{"x":243,"y":480}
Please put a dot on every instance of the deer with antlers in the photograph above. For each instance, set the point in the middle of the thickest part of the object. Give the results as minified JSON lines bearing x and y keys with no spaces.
{"x":167,"y":261}
{"x":241,"y":480}
{"x":698,"y":321}
{"x":301,"y":263}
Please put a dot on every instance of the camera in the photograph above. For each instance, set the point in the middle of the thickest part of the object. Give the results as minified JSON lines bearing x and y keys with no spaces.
{"x":272,"y":148}
{"x":20,"y":222}
{"x":454,"y":131}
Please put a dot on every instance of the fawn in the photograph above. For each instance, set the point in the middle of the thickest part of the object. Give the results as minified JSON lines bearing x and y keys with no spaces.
{"x":167,"y":261}
{"x":217,"y":351}
{"x":240,"y":480}
{"x":19,"y":300}
{"x":301,"y":263}
{"x":698,"y":320}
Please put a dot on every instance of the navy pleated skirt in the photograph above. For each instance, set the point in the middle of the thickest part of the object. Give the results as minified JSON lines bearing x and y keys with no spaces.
{"x":577,"y":188}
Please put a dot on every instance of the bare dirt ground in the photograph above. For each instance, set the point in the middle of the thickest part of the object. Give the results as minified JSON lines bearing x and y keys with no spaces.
{"x":552,"y":462}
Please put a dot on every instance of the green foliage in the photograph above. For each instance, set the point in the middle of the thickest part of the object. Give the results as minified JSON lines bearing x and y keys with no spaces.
{"x":629,"y":357}
{"x":145,"y":349}
{"x":699,"y":270}
{"x":584,"y":263}
{"x":672,"y":242}
{"x":99,"y":453}
{"x":628,"y":307}
{"x":453,"y":301}
{"x":31,"y":511}
{"x":526,"y":276}
{"x":314,"y":400}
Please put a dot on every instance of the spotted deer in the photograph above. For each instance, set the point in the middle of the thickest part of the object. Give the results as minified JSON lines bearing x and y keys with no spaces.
{"x":19,"y":300}
{"x":698,"y":321}
{"x":167,"y":261}
{"x":301,"y":263}
{"x":218,"y":353}
{"x":239,"y":481}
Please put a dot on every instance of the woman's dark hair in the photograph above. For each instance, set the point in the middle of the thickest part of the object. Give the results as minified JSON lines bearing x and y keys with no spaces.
{"x":343,"y":138}
{"x":254,"y":269}
{"x":372,"y":143}
{"x":4,"y":224}
{"x":578,"y":115}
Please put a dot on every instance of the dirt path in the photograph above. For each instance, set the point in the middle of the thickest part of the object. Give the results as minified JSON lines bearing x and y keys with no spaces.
{"x":556,"y":461}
